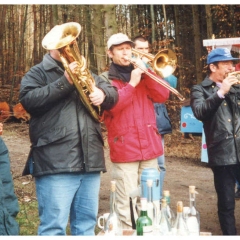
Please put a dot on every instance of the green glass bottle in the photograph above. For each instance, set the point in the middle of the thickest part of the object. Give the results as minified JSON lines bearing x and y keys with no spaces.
{"x":144,"y":223}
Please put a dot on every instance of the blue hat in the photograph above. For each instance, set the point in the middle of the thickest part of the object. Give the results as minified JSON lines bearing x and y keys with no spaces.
{"x":220,"y":55}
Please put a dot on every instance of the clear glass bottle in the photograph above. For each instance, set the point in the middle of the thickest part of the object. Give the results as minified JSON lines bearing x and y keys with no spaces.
{"x":170,"y":213}
{"x":113,"y":225}
{"x":149,"y":199}
{"x":144,"y":223}
{"x":193,"y":216}
{"x":164,"y":224}
{"x":180,"y":227}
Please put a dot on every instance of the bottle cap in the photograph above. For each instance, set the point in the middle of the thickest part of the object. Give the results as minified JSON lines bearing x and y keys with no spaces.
{"x":166,"y":193}
{"x":192,"y":189}
{"x":179,"y":206}
{"x":113,"y":186}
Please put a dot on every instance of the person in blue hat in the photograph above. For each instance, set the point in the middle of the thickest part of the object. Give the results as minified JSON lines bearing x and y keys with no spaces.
{"x":216,"y":102}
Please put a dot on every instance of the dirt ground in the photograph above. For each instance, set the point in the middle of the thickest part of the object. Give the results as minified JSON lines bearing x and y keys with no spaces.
{"x":183,"y":164}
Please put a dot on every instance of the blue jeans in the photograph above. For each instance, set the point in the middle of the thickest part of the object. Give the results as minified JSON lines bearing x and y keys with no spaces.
{"x":62,"y":194}
{"x":161,"y":164}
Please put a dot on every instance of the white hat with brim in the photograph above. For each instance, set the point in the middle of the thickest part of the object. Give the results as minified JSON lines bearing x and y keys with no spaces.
{"x":117,"y":39}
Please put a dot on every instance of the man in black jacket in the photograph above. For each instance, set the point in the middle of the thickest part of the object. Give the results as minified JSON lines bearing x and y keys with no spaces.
{"x":216,"y":102}
{"x":66,"y":156}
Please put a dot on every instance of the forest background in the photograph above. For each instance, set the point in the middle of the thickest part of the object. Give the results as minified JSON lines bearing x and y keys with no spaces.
{"x":181,"y":28}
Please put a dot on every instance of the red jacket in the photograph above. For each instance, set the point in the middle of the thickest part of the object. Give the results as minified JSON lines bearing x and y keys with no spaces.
{"x":131,"y":123}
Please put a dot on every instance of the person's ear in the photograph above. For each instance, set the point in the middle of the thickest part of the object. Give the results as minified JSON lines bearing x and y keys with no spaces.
{"x":109,"y":53}
{"x":213,"y":67}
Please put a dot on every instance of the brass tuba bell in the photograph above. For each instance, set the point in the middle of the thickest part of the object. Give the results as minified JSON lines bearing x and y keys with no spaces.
{"x":63,"y":38}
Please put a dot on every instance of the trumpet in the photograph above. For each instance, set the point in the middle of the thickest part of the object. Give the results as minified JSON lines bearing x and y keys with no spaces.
{"x":164,"y":64}
{"x":236,"y":74}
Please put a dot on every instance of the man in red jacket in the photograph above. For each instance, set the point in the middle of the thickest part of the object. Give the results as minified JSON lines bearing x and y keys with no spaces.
{"x":133,"y":137}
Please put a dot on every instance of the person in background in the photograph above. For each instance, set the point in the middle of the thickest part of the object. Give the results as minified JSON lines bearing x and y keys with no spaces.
{"x":133,"y":138}
{"x":66,"y":156}
{"x":163,"y":121}
{"x":215,"y":102}
{"x":9,"y":207}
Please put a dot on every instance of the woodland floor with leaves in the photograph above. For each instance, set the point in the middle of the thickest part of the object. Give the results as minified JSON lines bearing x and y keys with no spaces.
{"x":183,"y":164}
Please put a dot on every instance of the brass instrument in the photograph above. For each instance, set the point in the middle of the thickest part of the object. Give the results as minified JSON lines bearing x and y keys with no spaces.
{"x":236,"y":74}
{"x":163,"y":63}
{"x":63,"y":38}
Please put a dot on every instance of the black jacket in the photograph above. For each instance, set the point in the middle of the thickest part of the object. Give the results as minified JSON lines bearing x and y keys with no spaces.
{"x":64,"y":137}
{"x":221,"y":121}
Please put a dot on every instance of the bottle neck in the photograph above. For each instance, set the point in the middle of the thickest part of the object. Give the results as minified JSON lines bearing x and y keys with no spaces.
{"x":167,"y":199}
{"x":192,"y":200}
{"x":112,"y":201}
{"x":149,"y":196}
{"x":143,"y":213}
{"x":179,"y":214}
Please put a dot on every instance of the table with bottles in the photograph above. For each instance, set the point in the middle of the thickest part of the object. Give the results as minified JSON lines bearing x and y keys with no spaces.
{"x":155,"y":218}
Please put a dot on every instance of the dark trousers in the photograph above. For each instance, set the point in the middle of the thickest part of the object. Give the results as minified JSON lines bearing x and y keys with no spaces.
{"x":225,"y":180}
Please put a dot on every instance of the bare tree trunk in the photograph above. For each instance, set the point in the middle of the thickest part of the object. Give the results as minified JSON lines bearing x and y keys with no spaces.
{"x":110,"y":26}
{"x":35,"y":26}
{"x":3,"y":12}
{"x":98,"y":38}
{"x":153,"y":23}
{"x":55,"y":14}
{"x":197,"y":42}
{"x":18,"y":55}
{"x":209,"y":21}
{"x":165,"y":21}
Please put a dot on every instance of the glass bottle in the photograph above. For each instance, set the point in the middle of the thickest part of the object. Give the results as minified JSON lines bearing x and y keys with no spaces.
{"x":180,"y":227}
{"x":113,"y":225}
{"x":144,"y":223}
{"x":170,"y":212}
{"x":164,"y":224}
{"x":149,"y":199}
{"x":193,"y":216}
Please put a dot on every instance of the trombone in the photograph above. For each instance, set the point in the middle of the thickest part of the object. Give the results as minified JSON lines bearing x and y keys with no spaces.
{"x":163,"y":63}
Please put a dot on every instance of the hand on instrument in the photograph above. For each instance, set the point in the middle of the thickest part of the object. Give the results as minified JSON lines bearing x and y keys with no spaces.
{"x":227,"y":83}
{"x":74,"y":68}
{"x":97,"y":96}
{"x":136,"y":74}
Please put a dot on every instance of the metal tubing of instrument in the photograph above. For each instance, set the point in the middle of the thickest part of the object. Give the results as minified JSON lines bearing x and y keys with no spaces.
{"x":236,"y":74}
{"x":164,"y":84}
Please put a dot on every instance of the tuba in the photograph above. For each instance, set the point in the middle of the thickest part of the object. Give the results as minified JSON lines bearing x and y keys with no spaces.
{"x":63,"y":38}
